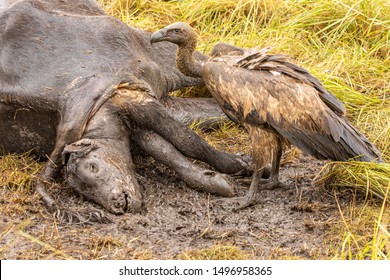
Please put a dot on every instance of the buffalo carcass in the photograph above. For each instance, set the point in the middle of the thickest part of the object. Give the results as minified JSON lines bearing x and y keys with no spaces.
{"x":75,"y":83}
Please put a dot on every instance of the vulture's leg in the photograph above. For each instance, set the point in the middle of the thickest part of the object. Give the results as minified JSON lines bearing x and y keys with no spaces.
{"x":194,"y":176}
{"x":273,"y":180}
{"x":148,"y":113}
{"x":250,"y":198}
{"x":266,"y":147}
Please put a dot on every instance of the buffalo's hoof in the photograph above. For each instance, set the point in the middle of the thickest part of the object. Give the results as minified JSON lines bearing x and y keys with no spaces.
{"x":212,"y":182}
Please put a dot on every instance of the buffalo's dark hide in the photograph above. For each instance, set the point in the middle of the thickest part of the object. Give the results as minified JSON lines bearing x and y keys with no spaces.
{"x":73,"y":81}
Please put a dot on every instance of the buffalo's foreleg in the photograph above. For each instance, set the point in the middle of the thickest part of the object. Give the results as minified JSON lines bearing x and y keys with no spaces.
{"x":148,"y":113}
{"x":194,"y":176}
{"x":50,"y":171}
{"x":79,"y":109}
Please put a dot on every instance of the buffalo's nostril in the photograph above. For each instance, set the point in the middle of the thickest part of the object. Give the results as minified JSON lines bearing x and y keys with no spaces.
{"x":133,"y":195}
{"x":118,"y":203}
{"x":133,"y":204}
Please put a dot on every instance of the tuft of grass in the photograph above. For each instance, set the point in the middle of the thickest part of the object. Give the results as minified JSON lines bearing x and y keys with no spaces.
{"x":216,"y":252}
{"x":45,"y":246}
{"x":229,"y":137}
{"x":18,"y":171}
{"x":368,"y":178}
{"x":357,"y":236}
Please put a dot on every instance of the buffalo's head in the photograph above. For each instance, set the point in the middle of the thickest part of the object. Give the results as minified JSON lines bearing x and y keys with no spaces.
{"x":102,"y":171}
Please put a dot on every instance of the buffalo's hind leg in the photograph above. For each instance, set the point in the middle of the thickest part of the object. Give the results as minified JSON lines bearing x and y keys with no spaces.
{"x":147,"y":112}
{"x":196,"y":177}
{"x":202,"y":112}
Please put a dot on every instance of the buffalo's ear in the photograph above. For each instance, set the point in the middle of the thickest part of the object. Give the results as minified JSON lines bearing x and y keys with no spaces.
{"x":78,"y":149}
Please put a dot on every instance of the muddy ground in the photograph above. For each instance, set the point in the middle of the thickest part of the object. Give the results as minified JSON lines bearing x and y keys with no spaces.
{"x":288,"y":222}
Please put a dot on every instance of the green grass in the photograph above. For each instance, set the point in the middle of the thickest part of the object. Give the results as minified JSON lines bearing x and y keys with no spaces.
{"x":362,"y":232}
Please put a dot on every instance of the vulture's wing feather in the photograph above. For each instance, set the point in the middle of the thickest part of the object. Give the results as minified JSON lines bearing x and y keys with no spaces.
{"x":293,"y":108}
{"x":261,"y":60}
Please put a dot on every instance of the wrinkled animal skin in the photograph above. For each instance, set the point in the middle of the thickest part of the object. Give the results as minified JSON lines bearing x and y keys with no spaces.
{"x":75,"y":83}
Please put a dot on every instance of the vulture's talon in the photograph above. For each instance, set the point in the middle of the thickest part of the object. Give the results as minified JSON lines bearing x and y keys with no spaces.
{"x":244,"y":202}
{"x":270,"y":184}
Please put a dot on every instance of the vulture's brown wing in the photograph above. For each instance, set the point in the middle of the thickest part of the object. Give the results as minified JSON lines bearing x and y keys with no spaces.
{"x":261,"y":60}
{"x":292,"y":108}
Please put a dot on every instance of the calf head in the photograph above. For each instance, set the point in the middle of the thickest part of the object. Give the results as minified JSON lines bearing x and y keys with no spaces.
{"x":102,"y":171}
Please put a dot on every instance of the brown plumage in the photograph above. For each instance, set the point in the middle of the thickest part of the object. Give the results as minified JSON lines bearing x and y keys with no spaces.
{"x":275,"y":100}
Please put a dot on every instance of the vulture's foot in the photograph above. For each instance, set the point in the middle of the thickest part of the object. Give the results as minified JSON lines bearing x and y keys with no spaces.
{"x":245,"y":201}
{"x":271,"y":183}
{"x":258,"y":182}
{"x":250,"y":198}
{"x":237,"y":203}
{"x":263,"y":184}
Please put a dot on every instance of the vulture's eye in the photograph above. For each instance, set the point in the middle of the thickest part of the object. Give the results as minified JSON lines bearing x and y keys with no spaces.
{"x":176,"y":31}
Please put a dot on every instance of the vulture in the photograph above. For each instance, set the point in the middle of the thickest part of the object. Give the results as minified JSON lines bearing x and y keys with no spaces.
{"x":275,"y":100}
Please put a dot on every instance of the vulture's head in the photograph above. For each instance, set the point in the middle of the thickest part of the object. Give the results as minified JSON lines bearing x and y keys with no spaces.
{"x":179,"y":33}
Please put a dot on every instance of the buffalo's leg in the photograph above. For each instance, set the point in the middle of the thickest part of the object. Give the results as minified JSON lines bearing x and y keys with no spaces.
{"x":204,"y":113}
{"x":194,"y":176}
{"x":148,"y":113}
{"x":49,"y":172}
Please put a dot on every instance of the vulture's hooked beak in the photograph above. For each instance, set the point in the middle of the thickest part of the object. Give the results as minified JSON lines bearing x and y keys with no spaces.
{"x":158,"y":36}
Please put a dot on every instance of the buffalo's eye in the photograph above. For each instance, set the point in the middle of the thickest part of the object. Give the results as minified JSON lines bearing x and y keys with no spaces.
{"x":93,"y":167}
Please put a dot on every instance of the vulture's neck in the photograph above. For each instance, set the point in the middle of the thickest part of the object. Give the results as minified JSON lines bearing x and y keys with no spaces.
{"x":185,"y":61}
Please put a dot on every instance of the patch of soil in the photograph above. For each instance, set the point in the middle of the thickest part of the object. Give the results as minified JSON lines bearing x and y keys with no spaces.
{"x":287,"y":221}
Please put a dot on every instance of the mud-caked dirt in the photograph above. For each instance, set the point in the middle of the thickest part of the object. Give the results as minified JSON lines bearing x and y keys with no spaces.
{"x":289,"y":221}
